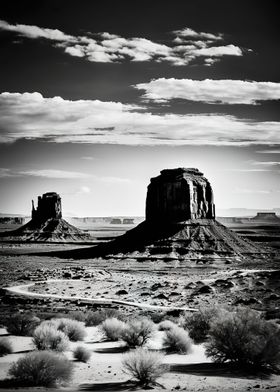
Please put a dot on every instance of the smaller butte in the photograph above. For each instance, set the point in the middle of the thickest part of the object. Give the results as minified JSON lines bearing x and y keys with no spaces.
{"x":47,"y":224}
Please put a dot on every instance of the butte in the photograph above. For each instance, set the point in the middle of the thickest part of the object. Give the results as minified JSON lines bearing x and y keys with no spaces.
{"x":47,"y":224}
{"x":180,"y":225}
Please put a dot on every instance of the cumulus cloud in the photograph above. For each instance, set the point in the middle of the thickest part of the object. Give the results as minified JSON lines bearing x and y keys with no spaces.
{"x":31,"y":116}
{"x":225,"y":91}
{"x":187,"y":46}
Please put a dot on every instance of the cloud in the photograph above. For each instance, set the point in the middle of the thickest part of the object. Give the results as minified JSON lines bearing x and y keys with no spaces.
{"x":275,"y":151}
{"x":47,"y":173}
{"x":266,"y":163}
{"x":225,"y":91}
{"x":187,"y":46}
{"x":35,"y":32}
{"x":189,"y":33}
{"x":31,"y":116}
{"x":253,"y":191}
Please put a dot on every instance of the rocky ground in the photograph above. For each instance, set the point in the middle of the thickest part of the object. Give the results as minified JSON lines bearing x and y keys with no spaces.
{"x":254,"y":283}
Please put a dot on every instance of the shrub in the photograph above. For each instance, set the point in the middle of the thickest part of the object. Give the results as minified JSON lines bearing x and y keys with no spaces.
{"x":82,"y":354}
{"x":166,"y":325}
{"x":198,"y":323}
{"x":243,"y":337}
{"x":113,"y":328}
{"x":22,"y":324}
{"x":78,"y":315}
{"x":5,"y":347}
{"x":75,"y":330}
{"x":138,"y":332}
{"x":94,"y":318}
{"x":144,"y":366}
{"x":42,"y":368}
{"x":177,"y":340}
{"x":47,"y":337}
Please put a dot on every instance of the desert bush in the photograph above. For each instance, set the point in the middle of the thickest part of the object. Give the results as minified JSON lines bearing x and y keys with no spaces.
{"x":113,"y":328}
{"x":94,"y":318}
{"x":166,"y":325}
{"x":177,"y":340}
{"x":155,"y":316}
{"x":82,"y":354}
{"x":138,"y":332}
{"x":78,"y":315}
{"x":243,"y":337}
{"x":22,"y":324}
{"x":198,"y":323}
{"x":47,"y":337}
{"x":144,"y":366}
{"x":5,"y":347}
{"x":75,"y":330}
{"x":42,"y":368}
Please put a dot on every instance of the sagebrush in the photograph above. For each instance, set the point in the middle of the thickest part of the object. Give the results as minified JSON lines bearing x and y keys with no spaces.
{"x":5,"y":347}
{"x":198,"y":323}
{"x":47,"y":337}
{"x":82,"y":354}
{"x":113,"y":328}
{"x":138,"y":332}
{"x":177,"y":340}
{"x":245,"y":338}
{"x":41,"y":368}
{"x":144,"y":366}
{"x":22,"y":324}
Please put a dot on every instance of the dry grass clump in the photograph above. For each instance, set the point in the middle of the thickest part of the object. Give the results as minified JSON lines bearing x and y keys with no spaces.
{"x":138,"y":332}
{"x":5,"y":347}
{"x":82,"y":354}
{"x":41,"y":368}
{"x":243,"y":337}
{"x":144,"y":366}
{"x":177,"y":340}
{"x":113,"y":328}
{"x":47,"y":337}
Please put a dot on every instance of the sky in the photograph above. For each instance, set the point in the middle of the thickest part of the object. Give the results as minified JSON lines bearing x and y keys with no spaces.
{"x":98,"y":97}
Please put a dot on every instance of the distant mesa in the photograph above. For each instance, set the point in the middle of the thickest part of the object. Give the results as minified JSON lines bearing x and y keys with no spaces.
{"x":266,"y":216}
{"x":47,"y":225}
{"x":180,"y":225}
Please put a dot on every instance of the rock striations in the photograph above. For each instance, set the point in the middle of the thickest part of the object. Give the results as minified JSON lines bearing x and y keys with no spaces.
{"x":180,"y":225}
{"x":47,"y":225}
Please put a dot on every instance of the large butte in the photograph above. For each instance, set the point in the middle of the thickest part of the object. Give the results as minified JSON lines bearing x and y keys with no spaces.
{"x":180,"y":225}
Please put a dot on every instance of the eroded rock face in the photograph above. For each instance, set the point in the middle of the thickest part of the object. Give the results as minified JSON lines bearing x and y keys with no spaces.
{"x":49,"y":206}
{"x":177,"y":195}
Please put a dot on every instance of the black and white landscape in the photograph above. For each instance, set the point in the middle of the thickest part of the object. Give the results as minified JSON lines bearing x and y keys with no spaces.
{"x":139,"y":196}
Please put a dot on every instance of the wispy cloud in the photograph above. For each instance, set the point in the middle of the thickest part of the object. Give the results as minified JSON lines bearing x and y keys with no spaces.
{"x":253,"y":191}
{"x":211,"y":91}
{"x":187,"y":45}
{"x":266,"y":163}
{"x":47,"y":173}
{"x":31,"y":116}
{"x":273,"y":151}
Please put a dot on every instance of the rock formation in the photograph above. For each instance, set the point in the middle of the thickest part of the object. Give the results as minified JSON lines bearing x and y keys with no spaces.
{"x":47,"y":225}
{"x":180,"y":225}
{"x":269,"y":217}
{"x":178,"y":195}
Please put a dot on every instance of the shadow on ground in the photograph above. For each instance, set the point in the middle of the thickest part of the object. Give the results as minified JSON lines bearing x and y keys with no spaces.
{"x":220,"y":370}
